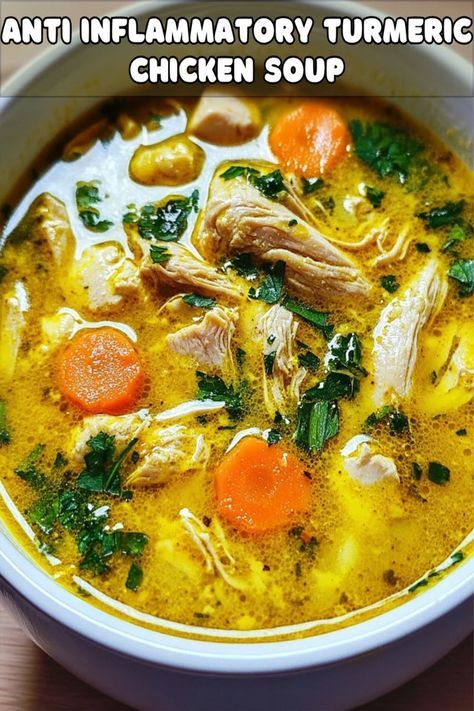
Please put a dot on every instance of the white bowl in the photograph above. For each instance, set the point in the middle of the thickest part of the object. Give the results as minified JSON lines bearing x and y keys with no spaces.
{"x":150,"y":669}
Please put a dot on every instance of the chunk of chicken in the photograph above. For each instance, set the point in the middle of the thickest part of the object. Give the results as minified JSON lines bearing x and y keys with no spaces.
{"x":225,"y":120}
{"x":397,"y":333}
{"x":163,"y":451}
{"x":282,"y":377}
{"x":166,"y":452}
{"x":238,"y":218}
{"x":209,"y":341}
{"x":185,"y":272}
{"x":366,"y":466}
{"x":105,"y":275}
{"x":47,"y":221}
{"x":12,"y":326}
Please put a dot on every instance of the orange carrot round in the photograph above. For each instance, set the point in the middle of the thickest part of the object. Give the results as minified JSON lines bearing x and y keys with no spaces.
{"x":261,"y":487}
{"x":100,"y":371}
{"x":310,"y":140}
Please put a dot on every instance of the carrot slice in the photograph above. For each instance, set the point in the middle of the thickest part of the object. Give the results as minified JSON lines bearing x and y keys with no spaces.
{"x":261,"y":487}
{"x":100,"y":371}
{"x":310,"y":140}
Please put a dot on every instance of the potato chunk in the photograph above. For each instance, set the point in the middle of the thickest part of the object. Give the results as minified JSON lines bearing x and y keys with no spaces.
{"x":174,"y":161}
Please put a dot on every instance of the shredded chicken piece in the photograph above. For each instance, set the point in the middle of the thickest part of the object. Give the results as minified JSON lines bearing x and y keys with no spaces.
{"x":209,"y":341}
{"x":185,"y":272}
{"x":47,"y":220}
{"x":106,"y":276}
{"x":367,"y":467}
{"x":238,"y":218}
{"x":225,"y":120}
{"x":212,"y":545}
{"x":166,"y":452}
{"x":277,"y":330}
{"x":163,"y":451}
{"x":12,"y":326}
{"x":397,"y":333}
{"x":391,"y":249}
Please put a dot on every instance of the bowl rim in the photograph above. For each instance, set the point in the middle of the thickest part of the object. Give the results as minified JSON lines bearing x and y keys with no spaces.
{"x":157,"y":648}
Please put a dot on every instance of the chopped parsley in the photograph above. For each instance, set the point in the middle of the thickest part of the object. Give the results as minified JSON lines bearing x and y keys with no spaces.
{"x":212,"y":387}
{"x":335,"y":386}
{"x":389,"y":283}
{"x":134,"y":577}
{"x":292,"y":223}
{"x":243,"y":265}
{"x":388,"y":150}
{"x":87,"y":197}
{"x":462,"y":432}
{"x":268,"y":361}
{"x":200,"y":302}
{"x":308,"y":360}
{"x":374,"y":196}
{"x":166,"y":223}
{"x":159,"y":255}
{"x":318,"y":319}
{"x":306,"y":542}
{"x":456,"y":234}
{"x":345,"y":353}
{"x":311,"y":185}
{"x":438,"y":473}
{"x":3,"y":272}
{"x":271,"y":185}
{"x":273,"y":437}
{"x":271,"y":288}
{"x":417,"y":471}
{"x":422,"y":247}
{"x":28,"y":470}
{"x":462,"y":271}
{"x":5,"y":436}
{"x":448,"y":214}
{"x":397,"y":421}
{"x":457,"y":557}
{"x":102,"y":470}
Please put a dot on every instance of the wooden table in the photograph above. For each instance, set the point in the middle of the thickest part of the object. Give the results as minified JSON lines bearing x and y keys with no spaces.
{"x":29,"y":680}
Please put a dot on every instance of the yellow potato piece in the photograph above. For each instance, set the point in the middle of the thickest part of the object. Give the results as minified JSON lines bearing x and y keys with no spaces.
{"x":174,"y":161}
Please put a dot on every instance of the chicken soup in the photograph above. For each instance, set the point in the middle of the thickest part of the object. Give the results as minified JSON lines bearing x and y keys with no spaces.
{"x":237,"y":363}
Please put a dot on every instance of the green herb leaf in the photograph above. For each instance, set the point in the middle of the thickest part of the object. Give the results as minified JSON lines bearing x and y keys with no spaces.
{"x":417,"y":471}
{"x":236,"y":171}
{"x":311,"y":185}
{"x":44,"y":512}
{"x":422,"y":247}
{"x":318,"y":319}
{"x":159,"y":255}
{"x":389,"y":283}
{"x":438,"y":473}
{"x":462,"y":432}
{"x":3,"y":272}
{"x":335,"y":386}
{"x":211,"y":387}
{"x":456,"y":234}
{"x":168,"y":222}
{"x":271,"y":288}
{"x":270,"y":185}
{"x":397,"y":421}
{"x":345,"y":353}
{"x":243,"y":265}
{"x":273,"y":437}
{"x":5,"y":437}
{"x":268,"y":361}
{"x":317,"y":422}
{"x":201,"y":302}
{"x":101,"y":472}
{"x":292,"y":223}
{"x":28,"y":470}
{"x":463,"y":272}
{"x":448,"y":214}
{"x":309,"y":361}
{"x":420,"y":584}
{"x":374,"y":195}
{"x":134,"y":577}
{"x":457,"y":557}
{"x":87,"y":196}
{"x":384,"y":148}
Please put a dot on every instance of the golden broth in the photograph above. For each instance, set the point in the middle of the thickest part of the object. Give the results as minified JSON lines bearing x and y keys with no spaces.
{"x":372,"y":541}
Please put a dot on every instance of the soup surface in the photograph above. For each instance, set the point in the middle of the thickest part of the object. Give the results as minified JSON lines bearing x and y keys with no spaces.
{"x":237,"y":361}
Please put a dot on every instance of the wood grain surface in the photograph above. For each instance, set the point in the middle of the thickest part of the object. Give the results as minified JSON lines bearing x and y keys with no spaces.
{"x":29,"y":680}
